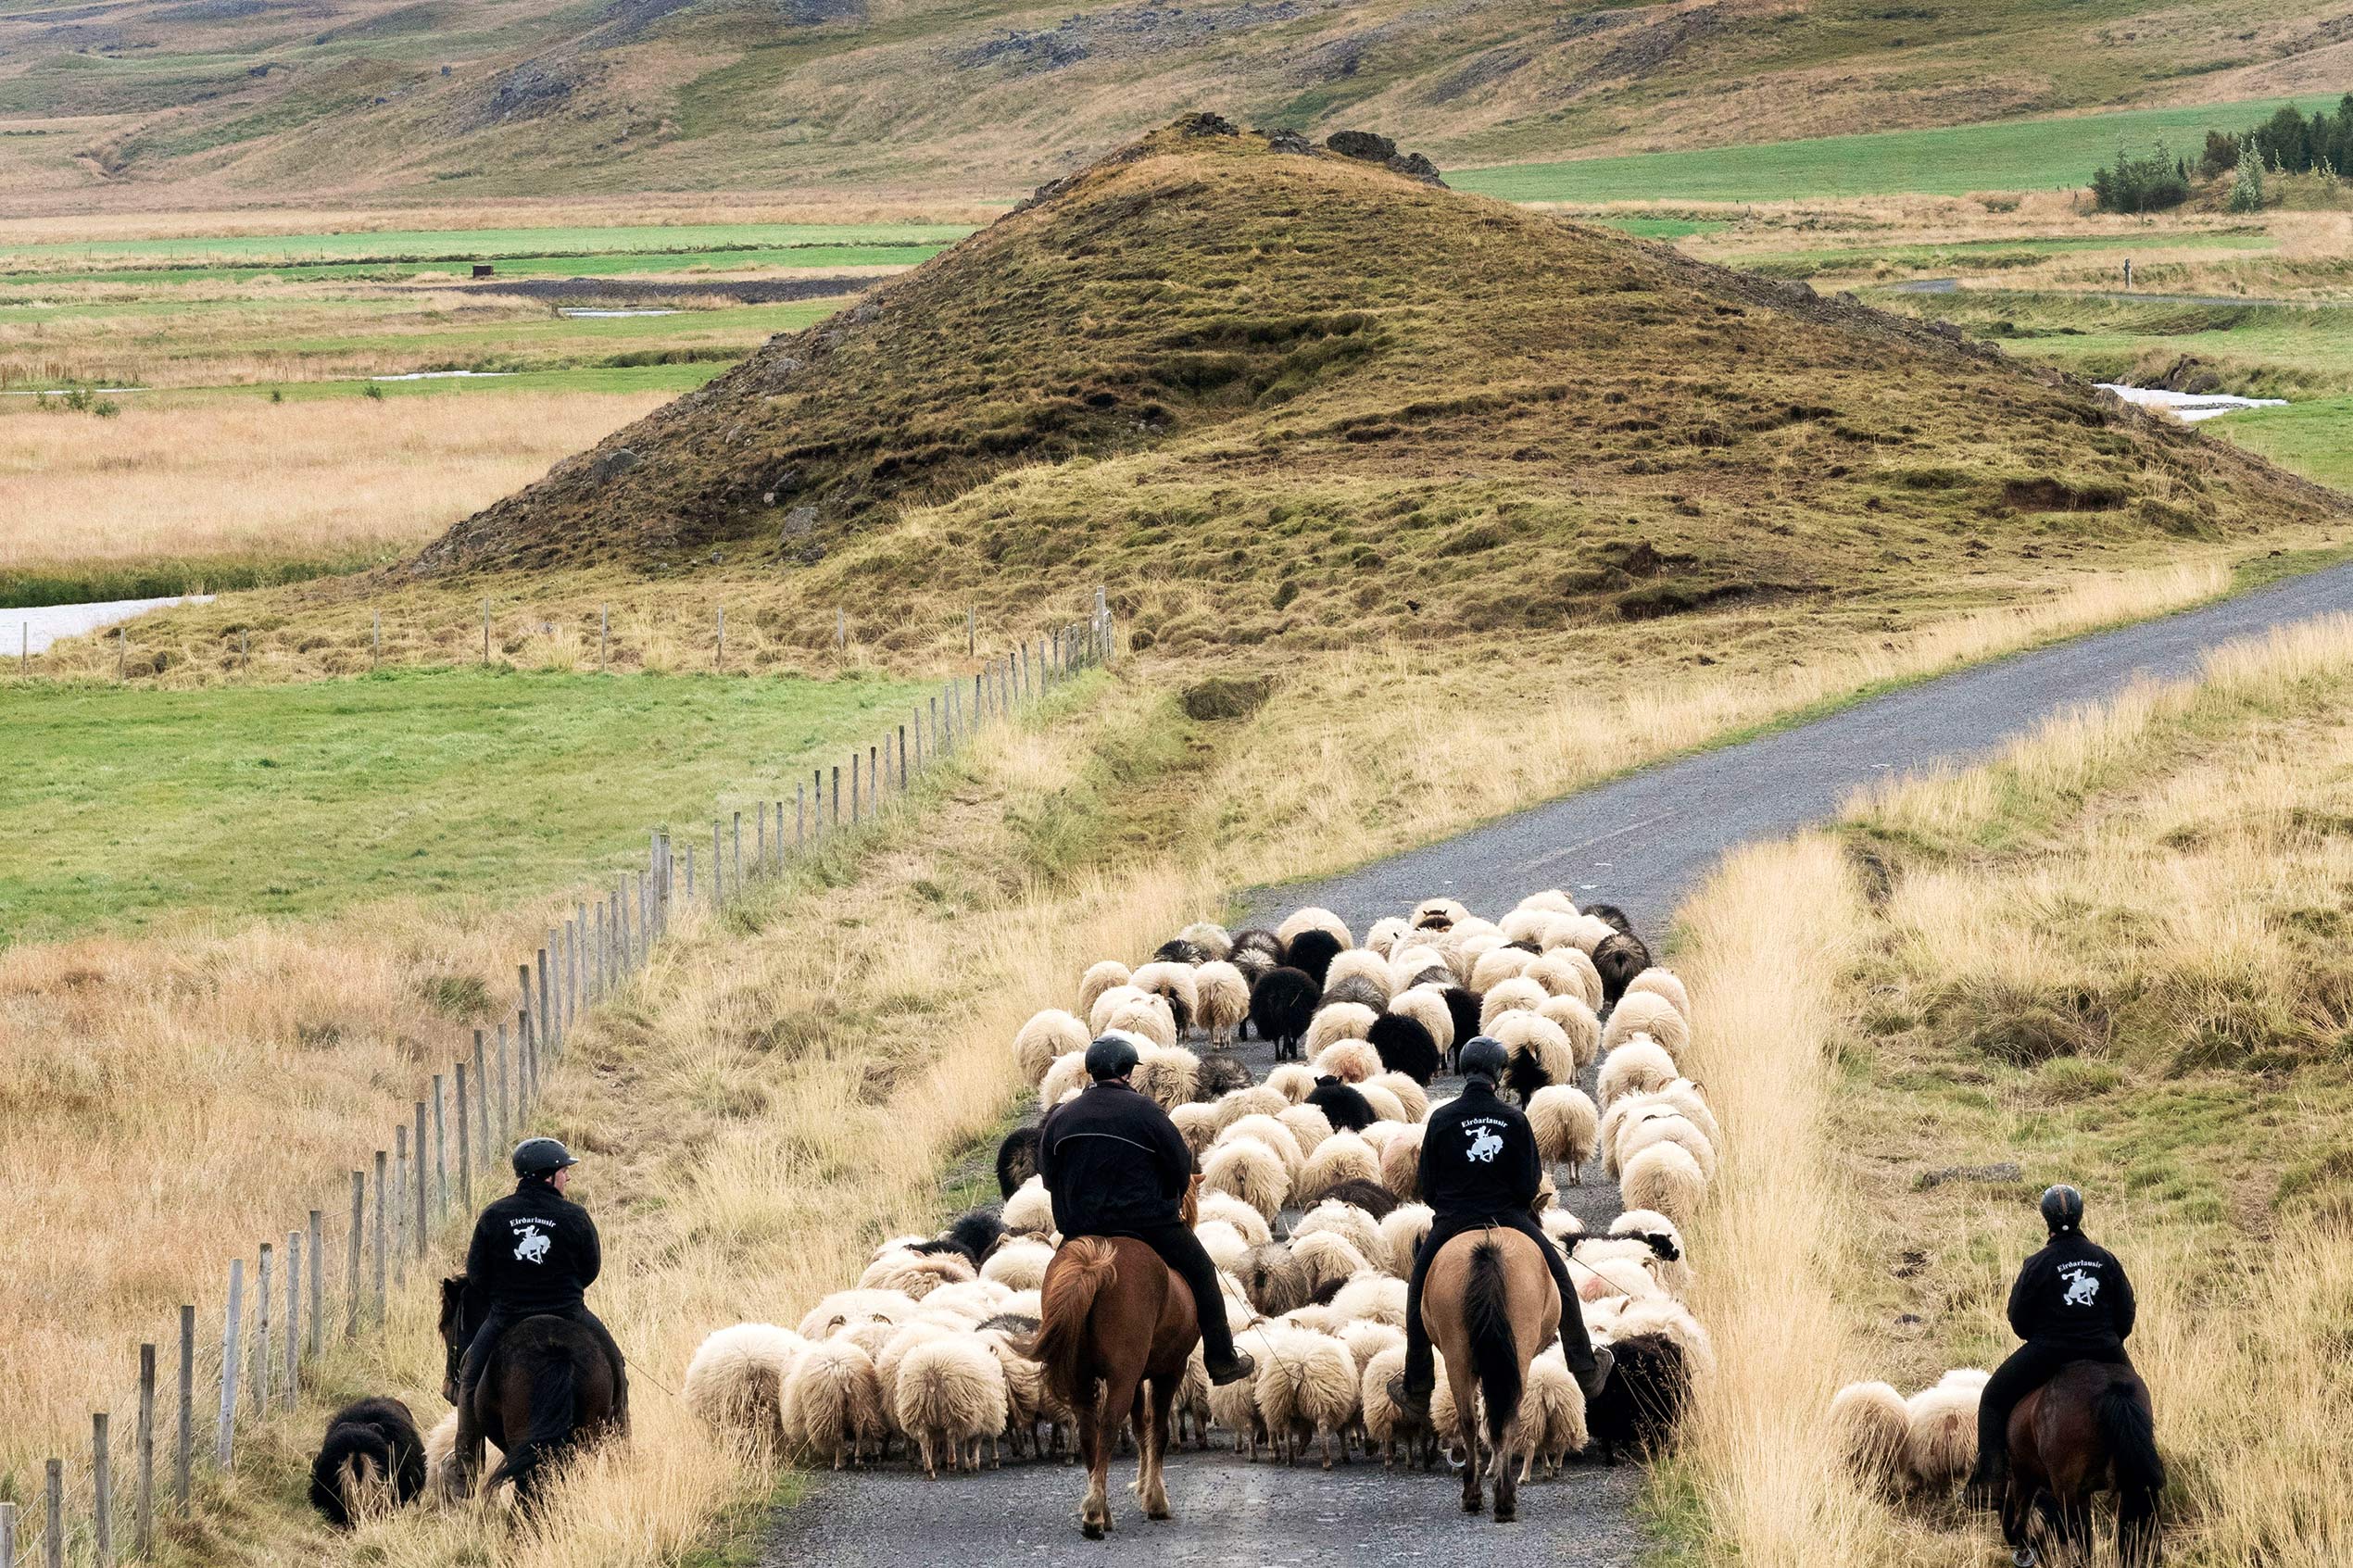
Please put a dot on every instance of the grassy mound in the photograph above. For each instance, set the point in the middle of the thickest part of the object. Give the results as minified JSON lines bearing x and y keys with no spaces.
{"x":1271,"y":395}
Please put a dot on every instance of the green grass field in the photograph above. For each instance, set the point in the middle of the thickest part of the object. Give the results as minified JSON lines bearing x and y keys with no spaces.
{"x":125,"y":804}
{"x":2006,"y":155}
{"x":1985,"y":256}
{"x":2311,"y":438}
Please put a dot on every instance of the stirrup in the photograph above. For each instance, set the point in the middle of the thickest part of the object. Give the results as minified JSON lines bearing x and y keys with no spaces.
{"x":1411,"y":1402}
{"x":1241,"y":1366}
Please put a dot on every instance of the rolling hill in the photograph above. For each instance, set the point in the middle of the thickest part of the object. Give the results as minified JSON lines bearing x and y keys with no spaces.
{"x":231,"y":100}
{"x":1268,"y":391}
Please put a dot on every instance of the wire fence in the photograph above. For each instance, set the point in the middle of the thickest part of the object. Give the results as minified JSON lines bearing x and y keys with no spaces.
{"x":333,"y":1277}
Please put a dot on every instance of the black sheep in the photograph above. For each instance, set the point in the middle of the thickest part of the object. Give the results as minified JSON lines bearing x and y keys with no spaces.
{"x":1345,"y":1109}
{"x":1282,"y":1005}
{"x":1462,"y":1006}
{"x":1221,"y":1074}
{"x":1619,"y":958}
{"x":1371,"y":1196}
{"x":974,"y":1234}
{"x":1357,"y":988}
{"x":1312,"y":952}
{"x":1405,"y":1046}
{"x":1611,"y":916}
{"x":1017,"y":1159}
{"x":1526,"y":1074}
{"x":1256,"y":941}
{"x":372,"y":1454}
{"x":1178,"y":951}
{"x":1636,"y":1410}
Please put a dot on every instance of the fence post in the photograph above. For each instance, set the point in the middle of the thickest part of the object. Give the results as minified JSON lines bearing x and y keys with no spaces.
{"x":294,"y":1318}
{"x":971,"y":629}
{"x":760,"y":836}
{"x":232,"y":1321}
{"x":384,"y":1240}
{"x":737,"y":874}
{"x":351,"y":1255}
{"x":873,"y":781}
{"x":690,"y":873}
{"x":142,"y":1517}
{"x":318,"y":1283}
{"x":424,"y":1218}
{"x":526,"y":1067}
{"x":440,"y":1157}
{"x":101,"y":1491}
{"x":53,"y":1531}
{"x":261,"y":1335}
{"x":506,"y":1123}
{"x":853,"y":789}
{"x":8,"y":1510}
{"x":837,"y":795}
{"x":543,"y":1023}
{"x":718,"y":866}
{"x":902,"y":756}
{"x":465,"y":1144}
{"x":185,"y":1441}
{"x":482,"y":1095}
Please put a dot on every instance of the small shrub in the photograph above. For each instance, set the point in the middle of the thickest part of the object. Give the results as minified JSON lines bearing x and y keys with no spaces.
{"x":2152,"y":182}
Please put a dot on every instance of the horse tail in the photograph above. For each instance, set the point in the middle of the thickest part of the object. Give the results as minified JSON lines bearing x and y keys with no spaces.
{"x":2129,"y":1431}
{"x":1083,"y":1270}
{"x":555,"y":1416}
{"x":1494,"y":1347}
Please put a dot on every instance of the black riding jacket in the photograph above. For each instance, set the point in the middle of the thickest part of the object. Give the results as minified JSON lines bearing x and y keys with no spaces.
{"x":1113,"y":1162}
{"x":2072,"y":1296}
{"x":1478,"y":1155}
{"x":534,"y":1251}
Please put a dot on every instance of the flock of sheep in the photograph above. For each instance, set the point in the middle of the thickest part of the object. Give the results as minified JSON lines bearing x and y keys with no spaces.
{"x":1308,"y":1203}
{"x":1925,"y":1445}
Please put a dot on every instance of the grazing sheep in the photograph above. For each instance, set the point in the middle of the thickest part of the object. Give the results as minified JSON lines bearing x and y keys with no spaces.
{"x":1620,"y":956}
{"x":1372,"y":1297}
{"x":1404,"y":1044}
{"x":1017,"y":1159}
{"x":1524,"y":924}
{"x":1273,"y":1279}
{"x":1410,"y":1091}
{"x":1640,"y":1066}
{"x":1647,"y":1013}
{"x":1439,"y":914}
{"x":1566,"y":1124}
{"x":1463,"y":1007}
{"x":1371,"y":1196}
{"x":1658,"y":981}
{"x":1515,"y":995}
{"x":1611,"y":916}
{"x":1551,"y":899}
{"x":1401,"y":1165}
{"x":950,"y":1394}
{"x":1220,"y":1074}
{"x":1551,"y":1423}
{"x":1408,"y":964}
{"x":1358,"y":991}
{"x":1221,"y":1242}
{"x":1639,"y":1407}
{"x":916,"y":1275}
{"x":1386,"y":1108}
{"x":1425,"y":1005}
{"x":1327,"y":1259}
{"x":1197,"y":1123}
{"x":1282,"y":1008}
{"x":1019,"y":1265}
{"x":1172,"y":983}
{"x":1210,"y":937}
{"x":1359,"y":963}
{"x":1403,"y":1229}
{"x":1223,"y":996}
{"x":1499,"y":964}
{"x":1358,"y":1226}
{"x":1667,"y":1178}
{"x":1614,"y":1270}
{"x":369,"y":1462}
{"x":1233,"y":1211}
{"x":1106,"y":1006}
{"x":1668,"y":1263}
{"x":735,"y":1382}
{"x":1940,"y":1439}
{"x":1064,"y":1079}
{"x":832,"y":1402}
{"x":1386,"y":1427}
{"x":1030,"y":1210}
{"x":1540,"y":1053}
{"x":1306,"y":1388}
{"x":1335,"y":1022}
{"x":1383,"y":936}
{"x":1562,"y":1226}
{"x":1351,"y":1061}
{"x":1344,"y":1157}
{"x":1293,"y":1080}
{"x":1313,"y":919}
{"x":1343,"y":1105}
{"x":1168,"y":1075}
{"x":1150,"y":1019}
{"x":1307,"y":1123}
{"x":1565,"y":972}
{"x":1873,"y":1427}
{"x":1256,"y":1101}
{"x":1662,"y":1126}
{"x":1099,"y":979}
{"x":1254,"y":1172}
{"x":1312,"y":952}
{"x":1051,"y":1033}
{"x":1263,"y":943}
{"x":1234,"y":1406}
{"x":1271,"y":1132}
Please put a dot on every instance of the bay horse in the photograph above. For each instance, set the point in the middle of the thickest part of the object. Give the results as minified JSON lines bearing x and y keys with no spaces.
{"x":2089,"y":1429}
{"x":550,"y":1385}
{"x":1490,"y":1307}
{"x":1115,"y":1327}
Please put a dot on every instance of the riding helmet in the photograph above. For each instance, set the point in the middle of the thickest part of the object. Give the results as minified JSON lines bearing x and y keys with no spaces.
{"x":1111,"y":1057}
{"x":541,"y":1157}
{"x":1485,"y":1058}
{"x":2063,"y":1209}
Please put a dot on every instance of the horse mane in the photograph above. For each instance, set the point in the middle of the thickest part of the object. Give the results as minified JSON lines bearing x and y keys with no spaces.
{"x":1494,"y":1347}
{"x":1083,"y":1270}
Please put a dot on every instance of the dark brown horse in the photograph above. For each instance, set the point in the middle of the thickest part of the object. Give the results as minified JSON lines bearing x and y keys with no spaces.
{"x":1115,"y":1327}
{"x":550,"y":1385}
{"x":1490,"y":1307}
{"x":2089,"y":1429}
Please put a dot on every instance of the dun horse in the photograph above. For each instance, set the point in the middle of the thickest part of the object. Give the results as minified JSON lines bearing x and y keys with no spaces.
{"x":1115,"y":1327}
{"x":549,"y":1385}
{"x":1490,"y":1307}
{"x":2089,"y":1429}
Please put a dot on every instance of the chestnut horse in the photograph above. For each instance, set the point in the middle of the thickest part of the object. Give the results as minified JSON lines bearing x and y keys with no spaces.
{"x":1115,"y":1327}
{"x":2089,"y":1429}
{"x":1490,"y":1307}
{"x":549,"y":1385}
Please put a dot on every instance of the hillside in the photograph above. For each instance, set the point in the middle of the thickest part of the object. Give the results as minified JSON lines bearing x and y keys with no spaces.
{"x":1267,"y":392}
{"x":129,"y":102}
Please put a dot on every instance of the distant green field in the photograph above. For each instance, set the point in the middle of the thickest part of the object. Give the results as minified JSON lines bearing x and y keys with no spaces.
{"x":1962,"y":256}
{"x":2006,"y":155}
{"x":603,"y":264}
{"x":1657,"y":228}
{"x":478,"y":245}
{"x":2311,"y":438}
{"x":126,"y":804}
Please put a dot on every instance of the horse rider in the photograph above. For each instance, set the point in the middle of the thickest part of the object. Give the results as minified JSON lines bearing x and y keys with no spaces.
{"x":1480,"y":1168}
{"x":534,"y":1254}
{"x":2072,"y":1302}
{"x":1116,"y":1166}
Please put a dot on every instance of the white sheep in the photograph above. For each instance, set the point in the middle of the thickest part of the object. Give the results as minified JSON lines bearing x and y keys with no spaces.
{"x":1225,"y":1206}
{"x":1872,"y":1427}
{"x":1516,"y":994}
{"x":1551,"y":1423}
{"x":1352,"y":1060}
{"x":1402,"y":1230}
{"x":1359,"y":963}
{"x":915,"y":1275}
{"x":1939,"y":1438}
{"x":1018,"y":1265}
{"x":1223,"y":997}
{"x":1327,"y":1259}
{"x":951,"y":1395}
{"x":1664,"y":982}
{"x":1256,"y":1101}
{"x":1067,"y":1077}
{"x":1271,"y":1132}
{"x":1221,"y":1242}
{"x":1313,"y":919}
{"x":1382,"y":938}
{"x":1667,"y":1178}
{"x":1639,"y":1066}
{"x":1293,"y":1080}
{"x":1172,"y":983}
{"x":1345,"y":1219}
{"x":1575,"y":1020}
{"x":1523,"y":924}
{"x":1197,"y":1123}
{"x":1566,"y":971}
{"x":1552,"y":900}
{"x":1148,"y":1018}
{"x":1030,"y":1211}
{"x":1537,"y":1039}
{"x":1247,"y":1169}
{"x":1440,"y":913}
{"x":1647,"y":1225}
{"x":1400,"y":1163}
{"x":1308,"y":1124}
{"x":1099,"y":979}
{"x":1344,"y":1157}
{"x":1100,"y":1011}
{"x":1412,"y":1096}
{"x":1647,"y":1013}
{"x":832,"y":1402}
{"x":1426,"y":1007}
{"x":1376,"y":1298}
{"x":1029,"y":1396}
{"x":1662,"y":1126}
{"x":1497,"y":965}
{"x":1212,"y":939}
{"x":1566,"y":1124}
{"x":1386,"y":1427}
{"x":1386,"y":1106}
{"x":1168,"y":1075}
{"x":1234,"y":1406}
{"x":1409,"y":965}
{"x":1335,"y":1022}
{"x":1306,"y":1388}
{"x":735,"y":1382}
{"x":1048,"y":1035}
{"x":1583,"y":933}
{"x":847,"y":1309}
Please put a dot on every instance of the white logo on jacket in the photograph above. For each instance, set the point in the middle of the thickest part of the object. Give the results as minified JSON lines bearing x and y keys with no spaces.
{"x":1485,"y":1144}
{"x":2083,"y":1286}
{"x":533,"y":1248}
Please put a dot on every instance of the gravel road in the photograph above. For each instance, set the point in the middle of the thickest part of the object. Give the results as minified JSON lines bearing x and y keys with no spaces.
{"x":1643,"y":842}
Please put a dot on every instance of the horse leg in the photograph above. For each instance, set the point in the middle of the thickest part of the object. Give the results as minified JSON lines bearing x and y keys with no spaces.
{"x":1155,"y":1492}
{"x":2136,"y":1532}
{"x":1466,"y":1431}
{"x":1094,"y":1445}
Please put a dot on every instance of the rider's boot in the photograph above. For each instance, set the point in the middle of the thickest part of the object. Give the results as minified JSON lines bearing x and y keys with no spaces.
{"x":1591,"y":1378}
{"x":1990,"y":1480}
{"x":1230,"y":1369}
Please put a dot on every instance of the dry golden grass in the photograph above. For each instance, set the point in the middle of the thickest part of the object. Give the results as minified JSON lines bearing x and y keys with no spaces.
{"x":166,"y":222}
{"x":343,"y":477}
